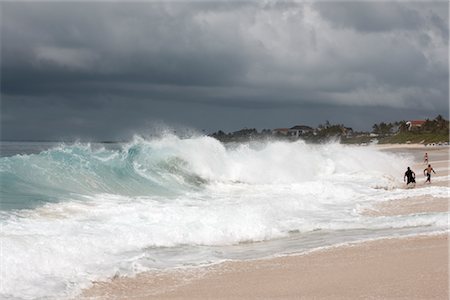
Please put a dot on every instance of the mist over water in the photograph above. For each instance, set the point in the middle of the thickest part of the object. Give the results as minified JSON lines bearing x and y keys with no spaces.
{"x":76,"y":213}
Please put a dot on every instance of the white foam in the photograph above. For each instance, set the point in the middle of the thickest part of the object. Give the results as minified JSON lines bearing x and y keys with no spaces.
{"x":254,"y":193}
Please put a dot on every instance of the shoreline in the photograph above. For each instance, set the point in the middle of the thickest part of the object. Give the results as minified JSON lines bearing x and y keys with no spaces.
{"x":412,"y":267}
{"x":356,"y":270}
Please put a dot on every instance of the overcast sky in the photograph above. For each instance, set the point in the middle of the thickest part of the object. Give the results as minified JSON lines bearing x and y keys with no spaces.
{"x":109,"y":70}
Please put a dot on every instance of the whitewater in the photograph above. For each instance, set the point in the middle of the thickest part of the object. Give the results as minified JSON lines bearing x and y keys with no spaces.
{"x":78,"y":213}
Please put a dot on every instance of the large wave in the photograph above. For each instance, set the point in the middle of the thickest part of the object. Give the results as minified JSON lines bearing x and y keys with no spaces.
{"x":77,"y":213}
{"x":169,"y":166}
{"x":67,"y":171}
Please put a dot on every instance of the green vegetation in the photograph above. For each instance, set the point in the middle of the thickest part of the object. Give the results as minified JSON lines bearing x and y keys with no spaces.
{"x":424,"y":132}
{"x":432,"y":131}
{"x":357,"y":139}
{"x":243,"y":135}
{"x":415,"y":138}
{"x":383,"y":128}
{"x":401,"y":132}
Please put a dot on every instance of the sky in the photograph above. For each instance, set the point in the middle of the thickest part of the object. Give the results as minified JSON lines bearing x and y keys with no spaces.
{"x":109,"y":70}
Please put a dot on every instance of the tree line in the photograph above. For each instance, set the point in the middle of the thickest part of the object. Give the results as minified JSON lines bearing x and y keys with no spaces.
{"x":384,"y":130}
{"x":437,"y":125}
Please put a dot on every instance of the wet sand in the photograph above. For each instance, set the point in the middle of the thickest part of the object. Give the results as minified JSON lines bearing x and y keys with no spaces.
{"x":406,"y":268}
{"x":409,"y":206}
{"x":414,"y":268}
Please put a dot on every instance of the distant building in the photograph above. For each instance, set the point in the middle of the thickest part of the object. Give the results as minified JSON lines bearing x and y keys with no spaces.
{"x":299,"y":130}
{"x":415,"y":124}
{"x":283,"y":131}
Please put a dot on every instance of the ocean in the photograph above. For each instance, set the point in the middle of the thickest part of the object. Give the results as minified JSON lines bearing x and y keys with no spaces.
{"x":75,"y":213}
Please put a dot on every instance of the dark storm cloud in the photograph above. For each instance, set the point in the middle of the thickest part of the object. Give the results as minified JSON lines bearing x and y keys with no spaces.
{"x":110,"y":42}
{"x":71,"y":68}
{"x":371,"y":16}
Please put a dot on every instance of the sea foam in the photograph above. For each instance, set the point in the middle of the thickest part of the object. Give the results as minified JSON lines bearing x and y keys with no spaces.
{"x":74,"y":214}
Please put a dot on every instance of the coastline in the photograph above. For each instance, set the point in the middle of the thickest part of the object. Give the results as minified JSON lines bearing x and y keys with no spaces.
{"x":411,"y":268}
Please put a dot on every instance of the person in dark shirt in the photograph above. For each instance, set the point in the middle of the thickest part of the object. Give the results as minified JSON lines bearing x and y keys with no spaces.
{"x":410,"y":176}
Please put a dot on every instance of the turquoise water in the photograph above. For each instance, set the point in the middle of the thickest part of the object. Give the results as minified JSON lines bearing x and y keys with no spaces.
{"x":35,"y":176}
{"x":76,"y":213}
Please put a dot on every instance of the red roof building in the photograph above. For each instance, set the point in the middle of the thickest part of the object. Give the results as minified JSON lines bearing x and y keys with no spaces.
{"x":415,"y":124}
{"x":283,"y":131}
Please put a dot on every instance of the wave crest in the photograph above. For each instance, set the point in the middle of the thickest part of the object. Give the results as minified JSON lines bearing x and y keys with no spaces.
{"x":170,"y":166}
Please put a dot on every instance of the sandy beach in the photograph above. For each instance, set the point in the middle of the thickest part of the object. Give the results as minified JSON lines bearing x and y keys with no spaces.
{"x":395,"y":268}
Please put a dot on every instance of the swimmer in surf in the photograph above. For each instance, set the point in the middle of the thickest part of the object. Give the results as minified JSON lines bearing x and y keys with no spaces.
{"x":427,"y":172}
{"x":410,"y":176}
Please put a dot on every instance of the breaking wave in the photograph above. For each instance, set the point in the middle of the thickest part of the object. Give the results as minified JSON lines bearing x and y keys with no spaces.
{"x":78,"y":213}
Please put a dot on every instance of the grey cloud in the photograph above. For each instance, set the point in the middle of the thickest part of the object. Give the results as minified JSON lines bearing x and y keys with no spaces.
{"x":81,"y":64}
{"x":103,"y":42}
{"x":371,"y":16}
{"x":441,"y":23}
{"x":117,"y":118}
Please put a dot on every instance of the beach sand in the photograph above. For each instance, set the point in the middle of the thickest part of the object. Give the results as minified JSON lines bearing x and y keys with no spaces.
{"x":399,"y":268}
{"x":414,"y":268}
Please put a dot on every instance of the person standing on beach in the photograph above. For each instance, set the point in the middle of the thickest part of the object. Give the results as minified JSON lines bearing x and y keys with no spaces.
{"x":410,"y":175}
{"x":428,"y":173}
{"x":425,"y":158}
